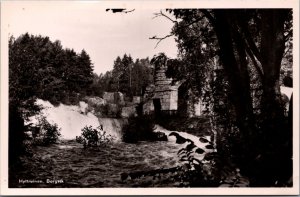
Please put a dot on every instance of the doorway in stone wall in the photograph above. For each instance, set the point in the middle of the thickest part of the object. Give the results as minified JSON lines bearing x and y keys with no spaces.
{"x":183,"y":98}
{"x":157,"y":107}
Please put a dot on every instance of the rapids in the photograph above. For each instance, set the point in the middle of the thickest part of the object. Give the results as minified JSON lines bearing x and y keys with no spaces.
{"x":71,"y":119}
{"x":77,"y":167}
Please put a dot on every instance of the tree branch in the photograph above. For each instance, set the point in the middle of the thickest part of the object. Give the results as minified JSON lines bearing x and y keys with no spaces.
{"x":249,"y":49}
{"x":249,"y":39}
{"x":164,"y":15}
{"x":258,"y":68}
{"x":160,"y":39}
{"x":174,"y":21}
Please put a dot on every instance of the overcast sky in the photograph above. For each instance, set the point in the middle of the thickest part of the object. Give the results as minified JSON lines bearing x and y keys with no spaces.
{"x":86,"y":25}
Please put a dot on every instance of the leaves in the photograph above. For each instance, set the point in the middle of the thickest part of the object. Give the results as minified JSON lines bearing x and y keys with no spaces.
{"x":42,"y":68}
{"x":94,"y":137}
{"x":128,"y":76}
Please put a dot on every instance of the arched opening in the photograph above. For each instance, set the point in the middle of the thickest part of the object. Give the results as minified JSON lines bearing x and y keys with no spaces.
{"x":157,"y":107}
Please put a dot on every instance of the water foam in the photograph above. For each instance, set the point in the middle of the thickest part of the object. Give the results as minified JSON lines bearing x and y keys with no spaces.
{"x":71,"y":119}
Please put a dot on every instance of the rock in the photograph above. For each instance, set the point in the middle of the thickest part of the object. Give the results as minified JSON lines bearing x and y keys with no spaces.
{"x":83,"y":107}
{"x":203,"y":140}
{"x":190,"y":146}
{"x":209,"y":146}
{"x":119,"y":98}
{"x":179,"y":138}
{"x":114,"y":97}
{"x":112,"y":109}
{"x":199,"y":151}
{"x":128,"y":111}
{"x":95,"y":101}
{"x":109,"y":97}
{"x":210,"y":156}
{"x":160,"y":136}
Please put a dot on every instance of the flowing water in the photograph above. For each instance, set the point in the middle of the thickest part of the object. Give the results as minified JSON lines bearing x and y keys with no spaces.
{"x":67,"y":164}
{"x":77,"y":167}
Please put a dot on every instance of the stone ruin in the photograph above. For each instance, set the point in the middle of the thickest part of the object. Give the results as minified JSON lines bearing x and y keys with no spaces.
{"x":163,"y":97}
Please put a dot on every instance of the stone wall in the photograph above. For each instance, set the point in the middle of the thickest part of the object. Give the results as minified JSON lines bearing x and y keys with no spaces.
{"x":164,"y":90}
{"x":167,"y":93}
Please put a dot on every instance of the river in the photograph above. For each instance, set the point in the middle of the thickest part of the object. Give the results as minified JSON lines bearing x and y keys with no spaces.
{"x":67,"y":164}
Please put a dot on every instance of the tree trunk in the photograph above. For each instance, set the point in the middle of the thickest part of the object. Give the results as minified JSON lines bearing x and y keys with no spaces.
{"x":238,"y":77}
{"x":276,"y":137}
{"x":264,"y":150}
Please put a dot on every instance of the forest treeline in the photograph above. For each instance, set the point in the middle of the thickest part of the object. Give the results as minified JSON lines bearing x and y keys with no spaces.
{"x":41,"y":68}
{"x":128,"y":76}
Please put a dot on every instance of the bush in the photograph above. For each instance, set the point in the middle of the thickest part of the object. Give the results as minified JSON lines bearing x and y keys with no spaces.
{"x":94,"y":137}
{"x":45,"y":133}
{"x":141,"y":128}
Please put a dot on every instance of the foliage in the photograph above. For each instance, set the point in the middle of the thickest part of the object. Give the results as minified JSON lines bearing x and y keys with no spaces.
{"x":45,"y":133}
{"x":141,"y":128}
{"x":235,"y":58}
{"x":42,"y":68}
{"x":210,"y":171}
{"x":94,"y":137}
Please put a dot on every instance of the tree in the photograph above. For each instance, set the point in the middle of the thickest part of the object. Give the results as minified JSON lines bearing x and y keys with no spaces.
{"x":142,"y":76}
{"x":245,"y":42}
{"x":40,"y":68}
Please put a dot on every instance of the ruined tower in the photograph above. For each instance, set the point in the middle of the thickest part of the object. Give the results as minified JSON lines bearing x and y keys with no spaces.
{"x":163,"y":96}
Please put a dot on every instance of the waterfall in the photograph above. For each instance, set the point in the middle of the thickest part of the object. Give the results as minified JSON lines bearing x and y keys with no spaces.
{"x":71,"y":119}
{"x":113,"y":126}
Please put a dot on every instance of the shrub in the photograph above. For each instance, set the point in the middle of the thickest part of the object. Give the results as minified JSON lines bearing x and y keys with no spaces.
{"x":141,"y":128}
{"x":94,"y":137}
{"x":45,"y":133}
{"x":210,"y":171}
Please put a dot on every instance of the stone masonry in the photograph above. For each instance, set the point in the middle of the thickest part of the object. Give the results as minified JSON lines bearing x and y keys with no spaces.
{"x":162,"y":92}
{"x":164,"y":95}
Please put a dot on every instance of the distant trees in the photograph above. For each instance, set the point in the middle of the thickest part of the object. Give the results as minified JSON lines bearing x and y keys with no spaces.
{"x":41,"y":68}
{"x":128,"y":76}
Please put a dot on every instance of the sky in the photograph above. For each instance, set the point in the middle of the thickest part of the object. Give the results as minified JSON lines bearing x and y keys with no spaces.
{"x":86,"y":25}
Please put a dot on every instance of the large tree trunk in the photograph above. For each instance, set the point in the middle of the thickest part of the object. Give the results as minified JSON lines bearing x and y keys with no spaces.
{"x":276,"y":138}
{"x":264,"y":150}
{"x":238,"y":77}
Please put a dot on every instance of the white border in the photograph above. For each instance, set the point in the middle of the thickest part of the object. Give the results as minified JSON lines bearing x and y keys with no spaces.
{"x":4,"y":190}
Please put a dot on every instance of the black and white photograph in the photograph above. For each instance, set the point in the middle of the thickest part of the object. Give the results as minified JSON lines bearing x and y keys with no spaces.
{"x":150,"y":97}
